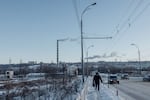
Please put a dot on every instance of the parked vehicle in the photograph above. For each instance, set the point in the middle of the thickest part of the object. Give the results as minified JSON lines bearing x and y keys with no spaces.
{"x":146,"y":78}
{"x":124,"y":76}
{"x":112,"y":79}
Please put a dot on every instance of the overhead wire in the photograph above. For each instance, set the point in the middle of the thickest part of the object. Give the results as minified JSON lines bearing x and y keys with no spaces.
{"x":75,"y":5}
{"x":74,"y":2}
{"x":127,"y":23}
{"x":123,"y":16}
{"x":120,"y":24}
{"x":140,"y":13}
{"x":78,"y":20}
{"x":135,"y":14}
{"x":128,"y":18}
{"x":135,"y":18}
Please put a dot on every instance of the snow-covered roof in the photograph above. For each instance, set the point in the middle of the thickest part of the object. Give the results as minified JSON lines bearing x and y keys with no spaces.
{"x":35,"y":74}
{"x":33,"y":66}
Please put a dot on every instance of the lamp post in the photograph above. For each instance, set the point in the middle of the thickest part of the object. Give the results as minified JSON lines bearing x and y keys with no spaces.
{"x":59,"y":40}
{"x":139,"y":56}
{"x":82,"y":65}
{"x":87,"y":58}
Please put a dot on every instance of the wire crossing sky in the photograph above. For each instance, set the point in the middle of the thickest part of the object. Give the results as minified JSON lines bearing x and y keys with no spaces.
{"x":29,"y":30}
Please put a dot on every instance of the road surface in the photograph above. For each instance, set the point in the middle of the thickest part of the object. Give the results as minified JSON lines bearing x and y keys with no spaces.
{"x":103,"y":94}
{"x":133,"y":89}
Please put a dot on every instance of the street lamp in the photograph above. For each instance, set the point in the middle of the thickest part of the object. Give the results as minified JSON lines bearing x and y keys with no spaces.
{"x":82,"y":39}
{"x":87,"y":58}
{"x":138,"y":55}
{"x":60,"y":40}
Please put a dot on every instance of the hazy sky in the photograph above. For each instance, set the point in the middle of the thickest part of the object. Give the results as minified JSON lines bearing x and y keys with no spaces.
{"x":29,"y":29}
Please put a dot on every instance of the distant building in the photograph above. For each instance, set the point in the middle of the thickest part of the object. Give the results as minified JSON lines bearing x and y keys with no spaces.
{"x":9,"y":74}
{"x":2,"y":77}
{"x":32,"y":62}
{"x":35,"y":76}
{"x":72,"y":70}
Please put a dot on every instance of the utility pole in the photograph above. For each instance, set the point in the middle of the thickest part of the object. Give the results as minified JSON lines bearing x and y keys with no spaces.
{"x":57,"y":53}
{"x":139,"y":57}
{"x":82,"y":63}
{"x":87,"y":58}
{"x":59,"y":40}
{"x":10,"y":62}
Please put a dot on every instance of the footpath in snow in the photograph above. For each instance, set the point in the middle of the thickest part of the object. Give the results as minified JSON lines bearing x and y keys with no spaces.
{"x":104,"y":93}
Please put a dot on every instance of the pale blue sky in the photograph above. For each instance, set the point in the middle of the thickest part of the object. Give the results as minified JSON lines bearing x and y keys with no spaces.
{"x":29,"y":29}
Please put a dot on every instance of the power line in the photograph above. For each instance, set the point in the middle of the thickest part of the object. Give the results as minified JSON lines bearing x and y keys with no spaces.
{"x":126,"y":22}
{"x":123,"y":16}
{"x":133,"y":20}
{"x":76,"y":11}
{"x":120,"y":26}
{"x":135,"y":9}
{"x":129,"y":18}
{"x":140,"y":13}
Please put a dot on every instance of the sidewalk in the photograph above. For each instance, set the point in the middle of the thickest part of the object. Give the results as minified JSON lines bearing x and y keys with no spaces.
{"x":105,"y":93}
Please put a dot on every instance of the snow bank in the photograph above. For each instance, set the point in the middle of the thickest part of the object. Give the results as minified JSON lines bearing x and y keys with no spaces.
{"x":136,"y":78}
{"x":82,"y":95}
{"x":105,"y":93}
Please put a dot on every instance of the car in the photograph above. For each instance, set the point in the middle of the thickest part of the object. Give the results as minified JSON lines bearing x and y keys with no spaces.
{"x":124,"y":76}
{"x":146,"y":78}
{"x":112,"y":79}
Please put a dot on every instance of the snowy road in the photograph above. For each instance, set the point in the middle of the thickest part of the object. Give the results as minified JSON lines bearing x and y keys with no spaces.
{"x":134,"y":90}
{"x":104,"y":93}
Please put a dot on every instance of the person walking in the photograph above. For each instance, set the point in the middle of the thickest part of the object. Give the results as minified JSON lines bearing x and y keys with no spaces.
{"x":96,"y":80}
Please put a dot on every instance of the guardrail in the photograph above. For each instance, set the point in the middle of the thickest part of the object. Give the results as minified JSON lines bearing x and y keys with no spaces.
{"x":83,"y":93}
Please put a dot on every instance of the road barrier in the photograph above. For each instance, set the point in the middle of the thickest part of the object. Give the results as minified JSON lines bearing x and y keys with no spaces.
{"x":83,"y":93}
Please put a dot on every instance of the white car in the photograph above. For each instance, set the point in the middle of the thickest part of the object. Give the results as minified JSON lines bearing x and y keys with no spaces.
{"x":112,"y":79}
{"x":146,"y":78}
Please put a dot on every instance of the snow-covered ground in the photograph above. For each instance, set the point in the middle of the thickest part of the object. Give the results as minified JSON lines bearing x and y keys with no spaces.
{"x":105,"y":93}
{"x":74,"y":90}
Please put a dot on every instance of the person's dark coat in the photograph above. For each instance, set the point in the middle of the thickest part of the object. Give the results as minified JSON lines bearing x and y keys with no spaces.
{"x":96,"y":80}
